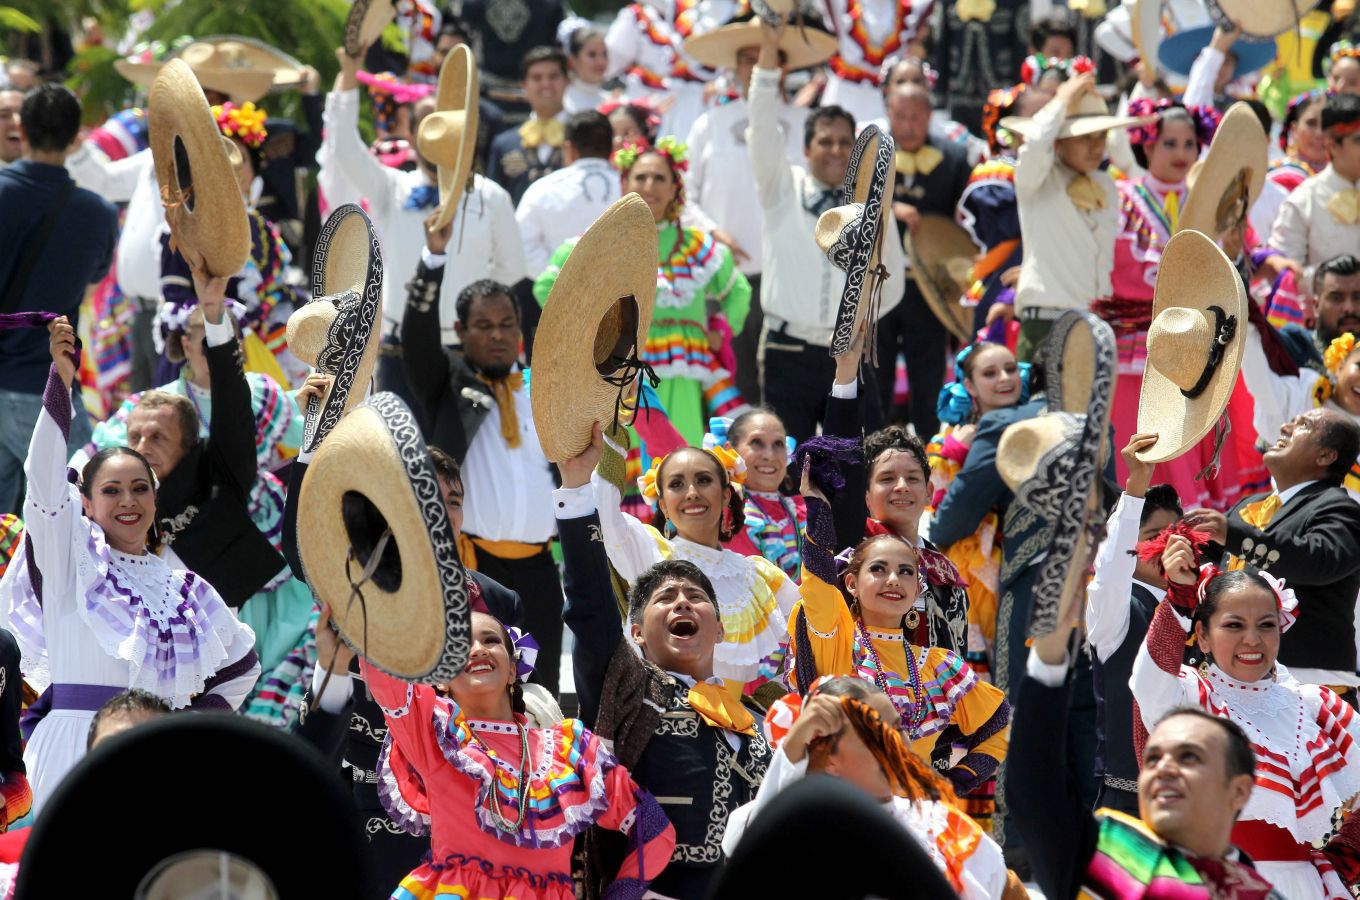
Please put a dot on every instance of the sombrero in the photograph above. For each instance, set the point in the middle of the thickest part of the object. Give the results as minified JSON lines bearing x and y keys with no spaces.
{"x":1178,"y":52}
{"x":1145,"y":22}
{"x":287,"y":70}
{"x":448,"y":136}
{"x":335,"y":331}
{"x":1261,"y":19}
{"x":1230,"y":177}
{"x":594,"y":324}
{"x":187,"y":849}
{"x":942,"y":256}
{"x":241,"y":68}
{"x":851,"y":235}
{"x":366,"y":21}
{"x":195,"y":169}
{"x":802,"y":47}
{"x":1053,"y":464}
{"x":1086,"y":114}
{"x":379,"y":547}
{"x":1194,"y":345}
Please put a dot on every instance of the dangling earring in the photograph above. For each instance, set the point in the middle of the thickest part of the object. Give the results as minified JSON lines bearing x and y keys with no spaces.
{"x":726,"y":527}
{"x":1274,"y":675}
{"x":1204,"y":665}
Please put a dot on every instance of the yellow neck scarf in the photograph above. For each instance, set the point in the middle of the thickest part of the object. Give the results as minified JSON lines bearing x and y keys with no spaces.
{"x":1086,"y":195}
{"x":504,"y":391}
{"x":918,"y":162}
{"x":720,"y":709}
{"x":1171,"y":205}
{"x":537,"y":132}
{"x":1259,"y":514}
{"x":1345,"y":207}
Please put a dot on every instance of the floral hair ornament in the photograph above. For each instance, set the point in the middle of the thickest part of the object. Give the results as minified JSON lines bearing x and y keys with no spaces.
{"x":1337,"y":351}
{"x":245,"y":123}
{"x":525,"y":649}
{"x":1035,"y":67}
{"x":928,"y":72}
{"x":729,"y":459}
{"x":954,"y":406}
{"x":1341,"y":50}
{"x":1286,"y":603}
{"x":718,"y":427}
{"x":1000,"y":103}
{"x":1204,"y":118}
{"x":651,"y":113}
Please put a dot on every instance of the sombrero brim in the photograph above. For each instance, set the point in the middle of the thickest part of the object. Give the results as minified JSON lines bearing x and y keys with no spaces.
{"x":1193,"y":273}
{"x":1080,"y":126}
{"x":224,"y":815}
{"x":365,"y":22}
{"x":1071,"y":490}
{"x":1145,"y":23}
{"x":239,"y":85}
{"x":857,"y":247}
{"x":1178,"y":52}
{"x":208,"y":214}
{"x":1240,"y":146}
{"x":287,"y":71}
{"x":336,"y":332}
{"x":936,"y":248}
{"x":583,"y":322}
{"x":457,"y":92}
{"x":1264,"y":19}
{"x":802,"y":47}
{"x":417,"y":628}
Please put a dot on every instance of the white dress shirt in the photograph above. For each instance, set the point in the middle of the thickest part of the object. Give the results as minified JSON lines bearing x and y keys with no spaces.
{"x":132,"y":181}
{"x":1068,"y":252}
{"x":562,"y":205}
{"x":508,"y":492}
{"x":1306,"y":231}
{"x":581,"y":96}
{"x":721,"y":179}
{"x":1107,"y":596}
{"x":485,"y":241}
{"x":800,"y":288}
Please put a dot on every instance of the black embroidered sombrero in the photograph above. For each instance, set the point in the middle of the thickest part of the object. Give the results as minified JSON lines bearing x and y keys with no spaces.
{"x":336,"y":331}
{"x":365,"y":23}
{"x":1053,"y":462}
{"x":196,"y":849}
{"x":852,"y":235}
{"x":379,"y":547}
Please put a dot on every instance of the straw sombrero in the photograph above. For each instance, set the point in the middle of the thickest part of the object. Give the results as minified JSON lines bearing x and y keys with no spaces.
{"x":288,"y":71}
{"x":335,"y":332}
{"x":196,"y":172}
{"x":241,"y":68}
{"x":942,"y":256}
{"x":185,"y":850}
{"x":448,"y":136}
{"x":594,"y":324}
{"x":1086,"y":114}
{"x":774,"y":11}
{"x":1194,"y":345}
{"x":1230,"y":177}
{"x":1053,"y":464}
{"x":366,"y":21}
{"x":1262,"y":19}
{"x":371,"y":489}
{"x":1145,"y":23}
{"x":802,"y":47}
{"x":852,"y":235}
{"x":1178,"y":52}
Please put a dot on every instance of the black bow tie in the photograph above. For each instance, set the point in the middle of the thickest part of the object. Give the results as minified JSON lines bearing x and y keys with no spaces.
{"x":821,"y":201}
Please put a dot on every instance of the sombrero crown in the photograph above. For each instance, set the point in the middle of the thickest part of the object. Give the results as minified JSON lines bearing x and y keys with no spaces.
{"x":1225,"y":184}
{"x":335,"y":331}
{"x":447,"y":137}
{"x":378,"y":545}
{"x":594,"y":323}
{"x":194,"y":168}
{"x":1086,"y":114}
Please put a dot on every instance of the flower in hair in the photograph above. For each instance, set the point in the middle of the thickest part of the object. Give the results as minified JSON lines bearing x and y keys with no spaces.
{"x":1337,"y":351}
{"x":1285,"y":600}
{"x":245,"y":122}
{"x":1033,"y":69}
{"x":729,"y":459}
{"x":525,"y":651}
{"x":999,"y":104}
{"x":676,"y":153}
{"x":1342,"y":50}
{"x":624,"y":157}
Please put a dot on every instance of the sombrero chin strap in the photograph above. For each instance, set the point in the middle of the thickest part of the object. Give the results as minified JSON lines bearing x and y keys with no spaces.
{"x":631,"y":369}
{"x":878,"y":276}
{"x":355,"y":592}
{"x":1221,"y":431}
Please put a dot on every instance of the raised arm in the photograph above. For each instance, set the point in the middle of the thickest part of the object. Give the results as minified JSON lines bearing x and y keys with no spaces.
{"x":231,"y":432}
{"x":342,"y":143}
{"x":51,"y":507}
{"x":408,"y":710}
{"x":1107,"y":596}
{"x":1037,"y":154}
{"x":826,"y":623}
{"x":1156,"y":681}
{"x":632,"y":546}
{"x":114,"y":180}
{"x":1276,"y":398}
{"x":423,"y":357}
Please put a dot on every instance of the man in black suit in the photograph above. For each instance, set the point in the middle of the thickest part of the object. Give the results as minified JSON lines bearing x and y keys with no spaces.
{"x":202,"y":502}
{"x":1307,"y":532}
{"x":931,"y":176}
{"x":521,"y":156}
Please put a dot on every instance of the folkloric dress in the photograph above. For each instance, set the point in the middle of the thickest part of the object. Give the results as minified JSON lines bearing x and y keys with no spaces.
{"x":100,"y":621}
{"x":1149,"y":212}
{"x":870,"y":34}
{"x":1285,"y":305}
{"x":458,"y":780}
{"x":989,"y":212}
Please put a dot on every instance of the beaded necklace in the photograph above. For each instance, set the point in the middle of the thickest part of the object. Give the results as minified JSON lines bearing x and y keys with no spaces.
{"x":521,"y":789}
{"x":915,"y":714}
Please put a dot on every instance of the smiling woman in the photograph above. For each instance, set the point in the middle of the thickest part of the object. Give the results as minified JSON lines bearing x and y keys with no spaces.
{"x":1304,"y":736}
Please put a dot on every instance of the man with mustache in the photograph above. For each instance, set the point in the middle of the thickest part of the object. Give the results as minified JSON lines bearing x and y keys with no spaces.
{"x":1336,"y":285}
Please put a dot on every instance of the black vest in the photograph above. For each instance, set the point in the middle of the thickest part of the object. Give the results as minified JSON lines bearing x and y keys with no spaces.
{"x":1114,"y":701}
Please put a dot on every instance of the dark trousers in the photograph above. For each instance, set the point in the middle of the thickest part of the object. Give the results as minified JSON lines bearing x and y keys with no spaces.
{"x":797,"y":378}
{"x":912,"y":329}
{"x":746,"y":348}
{"x":539,"y":585}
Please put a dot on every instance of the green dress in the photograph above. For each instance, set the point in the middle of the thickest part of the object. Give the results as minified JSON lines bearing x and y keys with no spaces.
{"x":692,"y":269}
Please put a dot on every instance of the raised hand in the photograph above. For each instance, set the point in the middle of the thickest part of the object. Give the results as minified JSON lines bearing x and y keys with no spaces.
{"x":62,"y":345}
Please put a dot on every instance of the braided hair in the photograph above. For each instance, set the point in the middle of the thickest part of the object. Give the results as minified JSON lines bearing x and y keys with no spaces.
{"x":908,"y":776}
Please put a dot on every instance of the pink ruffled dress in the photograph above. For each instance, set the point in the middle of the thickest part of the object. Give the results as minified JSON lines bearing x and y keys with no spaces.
{"x":439,"y":773}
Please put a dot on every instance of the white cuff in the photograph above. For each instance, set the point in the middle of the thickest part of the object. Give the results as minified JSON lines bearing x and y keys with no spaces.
{"x":431,"y":259}
{"x":574,"y":503}
{"x":338,"y":691}
{"x":222,"y":332}
{"x":1045,"y":674}
{"x":845,"y":391}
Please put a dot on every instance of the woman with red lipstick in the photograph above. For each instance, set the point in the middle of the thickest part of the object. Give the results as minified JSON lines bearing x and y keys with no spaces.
{"x":1304,"y":736}
{"x":503,"y":801}
{"x":89,"y":599}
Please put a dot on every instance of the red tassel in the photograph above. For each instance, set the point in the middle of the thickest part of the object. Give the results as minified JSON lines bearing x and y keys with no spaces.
{"x":1149,"y":551}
